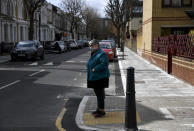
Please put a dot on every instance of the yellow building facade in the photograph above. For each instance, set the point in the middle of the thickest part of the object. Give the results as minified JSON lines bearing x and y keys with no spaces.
{"x":164,"y":18}
{"x":161,"y":18}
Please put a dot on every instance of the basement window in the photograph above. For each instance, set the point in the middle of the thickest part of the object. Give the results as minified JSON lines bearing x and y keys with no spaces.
{"x":176,"y":3}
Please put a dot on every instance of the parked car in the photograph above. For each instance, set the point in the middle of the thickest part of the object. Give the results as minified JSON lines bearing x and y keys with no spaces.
{"x":86,"y":43}
{"x":59,"y":46}
{"x":113,"y":45}
{"x":108,"y":49}
{"x":73,"y":44}
{"x":68,"y":45}
{"x":27,"y":49}
{"x":81,"y":43}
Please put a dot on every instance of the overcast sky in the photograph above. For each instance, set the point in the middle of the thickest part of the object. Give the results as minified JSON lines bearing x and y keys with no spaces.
{"x":98,"y":4}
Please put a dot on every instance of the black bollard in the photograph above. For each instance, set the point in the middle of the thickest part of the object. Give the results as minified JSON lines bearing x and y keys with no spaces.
{"x":130,"y":110}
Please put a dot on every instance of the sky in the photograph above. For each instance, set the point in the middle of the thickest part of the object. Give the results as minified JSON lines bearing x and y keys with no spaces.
{"x":98,"y":4}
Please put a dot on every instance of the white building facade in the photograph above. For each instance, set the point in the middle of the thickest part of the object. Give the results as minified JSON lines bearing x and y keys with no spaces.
{"x":13,"y":26}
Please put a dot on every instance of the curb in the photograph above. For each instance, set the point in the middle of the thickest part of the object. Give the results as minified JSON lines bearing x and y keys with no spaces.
{"x":79,"y":115}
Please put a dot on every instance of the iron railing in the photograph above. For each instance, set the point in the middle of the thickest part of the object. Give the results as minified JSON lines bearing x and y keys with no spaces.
{"x":180,"y":45}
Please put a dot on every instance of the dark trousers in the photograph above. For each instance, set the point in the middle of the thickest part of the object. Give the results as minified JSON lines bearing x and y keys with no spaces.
{"x":100,"y":94}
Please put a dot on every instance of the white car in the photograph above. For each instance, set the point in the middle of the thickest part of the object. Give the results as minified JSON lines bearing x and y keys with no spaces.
{"x":60,"y":46}
{"x":73,"y":44}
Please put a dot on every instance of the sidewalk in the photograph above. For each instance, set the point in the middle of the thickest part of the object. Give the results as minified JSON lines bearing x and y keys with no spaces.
{"x":163,"y":102}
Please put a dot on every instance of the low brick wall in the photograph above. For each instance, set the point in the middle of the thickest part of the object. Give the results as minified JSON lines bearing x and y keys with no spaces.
{"x":181,"y":68}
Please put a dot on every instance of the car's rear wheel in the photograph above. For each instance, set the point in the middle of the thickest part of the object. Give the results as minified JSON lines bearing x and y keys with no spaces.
{"x":60,"y":51}
{"x":42,"y":56}
{"x":13,"y":59}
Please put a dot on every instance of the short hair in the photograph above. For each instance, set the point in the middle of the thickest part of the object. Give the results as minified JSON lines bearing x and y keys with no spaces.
{"x":93,"y":42}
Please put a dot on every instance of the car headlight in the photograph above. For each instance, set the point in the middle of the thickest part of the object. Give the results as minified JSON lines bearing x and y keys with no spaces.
{"x":110,"y":52}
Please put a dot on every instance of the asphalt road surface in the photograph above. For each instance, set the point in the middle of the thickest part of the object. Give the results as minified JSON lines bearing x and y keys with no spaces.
{"x":44,"y":95}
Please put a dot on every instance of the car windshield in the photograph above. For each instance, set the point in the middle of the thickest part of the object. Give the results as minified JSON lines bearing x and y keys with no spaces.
{"x":25,"y":44}
{"x":105,"y":46}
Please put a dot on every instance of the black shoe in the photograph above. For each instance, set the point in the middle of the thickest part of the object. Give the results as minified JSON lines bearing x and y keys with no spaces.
{"x":100,"y":114}
{"x":95,"y":112}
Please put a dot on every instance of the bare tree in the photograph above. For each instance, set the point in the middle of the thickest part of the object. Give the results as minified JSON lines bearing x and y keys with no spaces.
{"x":115,"y":11}
{"x":31,"y":6}
{"x":91,"y":19}
{"x":73,"y":9}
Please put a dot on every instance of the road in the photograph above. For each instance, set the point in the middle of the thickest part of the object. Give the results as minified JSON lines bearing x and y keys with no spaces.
{"x":44,"y":95}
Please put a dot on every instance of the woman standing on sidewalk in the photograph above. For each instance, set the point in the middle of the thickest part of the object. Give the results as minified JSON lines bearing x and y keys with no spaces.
{"x":98,"y":75}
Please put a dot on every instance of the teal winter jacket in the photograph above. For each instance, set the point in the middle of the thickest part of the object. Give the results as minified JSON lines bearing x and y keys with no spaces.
{"x":98,"y":61}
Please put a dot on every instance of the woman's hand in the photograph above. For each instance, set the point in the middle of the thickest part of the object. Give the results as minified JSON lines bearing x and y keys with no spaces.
{"x":93,"y":70}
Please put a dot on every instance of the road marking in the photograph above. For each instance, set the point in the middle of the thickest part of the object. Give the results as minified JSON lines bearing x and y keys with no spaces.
{"x":166,"y":113}
{"x":123,"y":75}
{"x":83,"y":61}
{"x":36,"y":73}
{"x":34,"y":64}
{"x":60,"y":96}
{"x":9,"y":84}
{"x":75,"y":79}
{"x":192,"y":125}
{"x":2,"y":61}
{"x":59,"y":119}
{"x":49,"y":64}
{"x":70,"y":61}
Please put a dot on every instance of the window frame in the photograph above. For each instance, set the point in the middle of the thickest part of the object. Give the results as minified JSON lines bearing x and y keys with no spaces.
{"x":172,"y":6}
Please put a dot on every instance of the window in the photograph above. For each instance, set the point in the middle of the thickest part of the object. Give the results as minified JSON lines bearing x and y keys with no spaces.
{"x":187,"y":2}
{"x":166,"y":2}
{"x":0,"y":6}
{"x":177,"y":3}
{"x":21,"y":33}
{"x":5,"y":32}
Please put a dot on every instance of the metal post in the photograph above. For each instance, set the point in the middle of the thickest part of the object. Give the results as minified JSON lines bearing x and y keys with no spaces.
{"x":130,"y":111}
{"x":169,"y":61}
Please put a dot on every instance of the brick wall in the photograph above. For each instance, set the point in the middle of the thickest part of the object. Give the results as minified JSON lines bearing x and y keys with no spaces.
{"x":181,"y":68}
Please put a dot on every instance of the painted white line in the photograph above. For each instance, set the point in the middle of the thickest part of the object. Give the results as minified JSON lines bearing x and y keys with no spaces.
{"x":123,"y":75}
{"x":59,"y":96}
{"x":79,"y":115}
{"x":180,"y":107}
{"x":34,"y":64}
{"x":2,"y":61}
{"x":75,"y":79}
{"x":167,"y":113}
{"x":36,"y":73}
{"x":191,"y":125}
{"x":70,"y":61}
{"x":49,"y":64}
{"x":166,"y":95}
{"x":9,"y":84}
{"x":83,"y":61}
